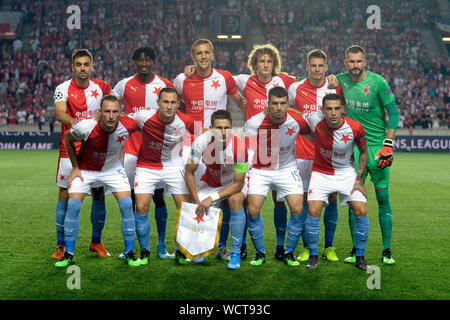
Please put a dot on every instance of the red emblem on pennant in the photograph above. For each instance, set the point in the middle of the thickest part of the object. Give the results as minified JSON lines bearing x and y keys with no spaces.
{"x":199,"y":219}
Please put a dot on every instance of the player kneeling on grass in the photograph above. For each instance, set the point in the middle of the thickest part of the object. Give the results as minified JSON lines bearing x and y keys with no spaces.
{"x":99,"y":161}
{"x":225,"y":159}
{"x":333,"y":171}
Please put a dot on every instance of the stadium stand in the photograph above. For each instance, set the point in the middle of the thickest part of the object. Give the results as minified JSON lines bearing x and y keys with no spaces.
{"x":34,"y":63}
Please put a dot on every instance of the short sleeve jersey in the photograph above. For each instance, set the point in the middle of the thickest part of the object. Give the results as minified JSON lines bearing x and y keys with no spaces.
{"x":334,"y":147}
{"x":203,"y":96}
{"x":365,"y":101}
{"x":161,"y":142}
{"x":101,"y":150}
{"x":275,"y":146}
{"x":256,"y":92}
{"x":306,"y":98}
{"x":219,"y":162}
{"x":81,"y":103}
{"x":138,"y":95}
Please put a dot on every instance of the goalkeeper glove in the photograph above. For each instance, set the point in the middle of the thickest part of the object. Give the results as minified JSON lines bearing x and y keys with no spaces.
{"x":385,"y":155}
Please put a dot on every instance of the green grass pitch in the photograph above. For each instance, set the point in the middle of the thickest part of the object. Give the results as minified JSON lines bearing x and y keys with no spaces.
{"x":420,"y":242}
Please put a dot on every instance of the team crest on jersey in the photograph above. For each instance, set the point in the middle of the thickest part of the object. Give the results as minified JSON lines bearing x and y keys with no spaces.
{"x":366,"y":90}
{"x":157,"y":90}
{"x":94,"y":93}
{"x":290,"y":131}
{"x":345,"y":138}
{"x":215,"y":84}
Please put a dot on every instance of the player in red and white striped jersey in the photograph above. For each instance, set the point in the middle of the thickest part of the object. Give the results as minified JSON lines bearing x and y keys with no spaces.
{"x":334,"y":171}
{"x":205,"y":91}
{"x":274,"y":167}
{"x":306,"y":96}
{"x":225,"y":157}
{"x":77,"y":99}
{"x":140,"y":92}
{"x":208,"y":89}
{"x":99,"y":161}
{"x":159,"y":160}
{"x":264,"y":62}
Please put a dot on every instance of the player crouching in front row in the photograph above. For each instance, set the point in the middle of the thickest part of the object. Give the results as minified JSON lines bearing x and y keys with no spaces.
{"x":224,"y":157}
{"x":99,"y":161}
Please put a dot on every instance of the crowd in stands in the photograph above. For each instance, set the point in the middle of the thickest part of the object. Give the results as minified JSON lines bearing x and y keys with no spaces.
{"x":112,"y":29}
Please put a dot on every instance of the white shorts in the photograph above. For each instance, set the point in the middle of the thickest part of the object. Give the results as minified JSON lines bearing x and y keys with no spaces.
{"x":129,"y":164}
{"x":284,"y":182}
{"x":114,"y":180}
{"x":321,"y":185}
{"x":63,"y":172}
{"x":171,"y":179}
{"x":305,"y":168}
{"x":204,"y":190}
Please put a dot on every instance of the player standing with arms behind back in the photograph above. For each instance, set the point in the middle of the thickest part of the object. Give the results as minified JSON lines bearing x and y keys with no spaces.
{"x":139,"y":92}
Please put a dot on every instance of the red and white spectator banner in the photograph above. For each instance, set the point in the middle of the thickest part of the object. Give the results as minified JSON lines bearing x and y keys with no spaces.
{"x":10,"y":24}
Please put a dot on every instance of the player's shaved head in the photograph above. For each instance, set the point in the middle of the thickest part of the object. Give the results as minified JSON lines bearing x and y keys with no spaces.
{"x":110,"y":98}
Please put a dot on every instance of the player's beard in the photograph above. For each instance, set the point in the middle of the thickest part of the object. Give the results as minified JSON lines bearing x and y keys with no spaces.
{"x":360,"y":71}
